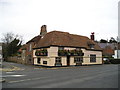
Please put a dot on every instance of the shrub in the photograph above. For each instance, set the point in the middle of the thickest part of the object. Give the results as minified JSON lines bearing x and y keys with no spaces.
{"x":115,"y":61}
{"x":107,"y":62}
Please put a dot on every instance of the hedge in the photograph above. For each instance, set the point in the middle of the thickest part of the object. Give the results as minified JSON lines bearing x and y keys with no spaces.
{"x":115,"y":61}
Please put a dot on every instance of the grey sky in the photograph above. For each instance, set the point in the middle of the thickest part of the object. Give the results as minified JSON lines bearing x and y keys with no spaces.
{"x":81,"y":17}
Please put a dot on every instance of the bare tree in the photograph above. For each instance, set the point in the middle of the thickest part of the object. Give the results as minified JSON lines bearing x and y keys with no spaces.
{"x":11,"y":43}
{"x":10,"y":36}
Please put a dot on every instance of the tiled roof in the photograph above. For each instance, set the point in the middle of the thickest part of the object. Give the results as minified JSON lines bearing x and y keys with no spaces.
{"x":35,"y":39}
{"x":112,"y":45}
{"x":108,"y":51}
{"x":59,"y":38}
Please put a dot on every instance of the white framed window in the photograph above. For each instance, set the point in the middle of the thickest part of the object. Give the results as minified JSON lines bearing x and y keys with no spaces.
{"x":44,"y":62}
{"x":58,"y":59}
{"x":60,"y":48}
{"x":30,"y":47}
{"x":78,"y":59}
{"x":92,"y":58}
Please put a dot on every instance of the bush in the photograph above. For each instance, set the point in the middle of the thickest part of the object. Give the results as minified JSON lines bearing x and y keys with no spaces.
{"x":115,"y":61}
{"x":107,"y":62}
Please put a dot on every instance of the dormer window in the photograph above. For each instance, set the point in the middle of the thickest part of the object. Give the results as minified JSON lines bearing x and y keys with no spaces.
{"x":30,"y":47}
{"x":91,"y":45}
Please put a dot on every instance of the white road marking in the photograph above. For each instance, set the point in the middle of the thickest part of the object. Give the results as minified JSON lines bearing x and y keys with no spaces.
{"x":26,"y":80}
{"x":36,"y":68}
{"x":13,"y":75}
{"x":10,"y":72}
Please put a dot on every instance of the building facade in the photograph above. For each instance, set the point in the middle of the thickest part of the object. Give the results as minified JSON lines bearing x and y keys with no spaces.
{"x":117,"y":52}
{"x":27,"y":49}
{"x":58,"y":48}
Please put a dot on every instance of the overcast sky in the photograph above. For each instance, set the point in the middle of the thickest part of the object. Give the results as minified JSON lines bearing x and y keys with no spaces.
{"x":25,"y":17}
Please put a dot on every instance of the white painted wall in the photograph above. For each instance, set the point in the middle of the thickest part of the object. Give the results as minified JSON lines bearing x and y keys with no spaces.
{"x":53,"y":52}
{"x":117,"y":54}
{"x":86,"y":57}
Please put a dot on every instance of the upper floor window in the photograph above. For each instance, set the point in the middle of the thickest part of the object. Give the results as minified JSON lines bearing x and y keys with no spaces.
{"x":60,"y":48}
{"x":78,"y":48}
{"x":78,"y":59}
{"x":92,"y":58}
{"x":30,"y":47}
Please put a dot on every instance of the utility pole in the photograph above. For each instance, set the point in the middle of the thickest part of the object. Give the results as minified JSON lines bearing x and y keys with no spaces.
{"x":117,"y":46}
{"x":0,"y":53}
{"x":118,"y":38}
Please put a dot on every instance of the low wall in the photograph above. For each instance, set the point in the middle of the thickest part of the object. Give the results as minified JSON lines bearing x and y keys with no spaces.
{"x":16,"y":60}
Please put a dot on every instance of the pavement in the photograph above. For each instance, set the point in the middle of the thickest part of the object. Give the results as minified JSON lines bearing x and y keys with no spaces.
{"x":27,"y":76}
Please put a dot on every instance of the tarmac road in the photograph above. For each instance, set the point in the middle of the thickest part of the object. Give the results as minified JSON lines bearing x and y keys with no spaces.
{"x":96,"y":76}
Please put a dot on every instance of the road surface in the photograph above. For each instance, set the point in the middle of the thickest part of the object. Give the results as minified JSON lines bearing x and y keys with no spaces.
{"x":95,"y":76}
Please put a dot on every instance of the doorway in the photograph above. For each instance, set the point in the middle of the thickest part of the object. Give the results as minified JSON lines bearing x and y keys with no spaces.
{"x":68,"y":60}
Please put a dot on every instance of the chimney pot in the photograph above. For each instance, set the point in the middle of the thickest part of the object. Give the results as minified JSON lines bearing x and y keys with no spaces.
{"x":92,"y":36}
{"x":43,"y":30}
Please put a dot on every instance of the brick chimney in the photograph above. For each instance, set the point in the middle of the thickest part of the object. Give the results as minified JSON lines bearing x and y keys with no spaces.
{"x":92,"y":36}
{"x":43,"y":30}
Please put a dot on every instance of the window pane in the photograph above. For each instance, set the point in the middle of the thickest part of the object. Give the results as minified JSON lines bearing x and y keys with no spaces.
{"x":92,"y":58}
{"x":78,"y":59}
{"x":44,"y":62}
{"x":61,"y":48}
{"x":58,"y":59}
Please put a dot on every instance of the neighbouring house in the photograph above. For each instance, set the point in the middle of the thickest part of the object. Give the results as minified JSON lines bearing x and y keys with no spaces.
{"x":27,"y":49}
{"x":117,"y":52}
{"x":58,"y":48}
{"x":108,"y":49}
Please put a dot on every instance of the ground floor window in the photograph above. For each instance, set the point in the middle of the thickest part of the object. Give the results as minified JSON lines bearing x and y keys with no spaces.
{"x":38,"y":60}
{"x":58,"y":61}
{"x":92,"y":58}
{"x":78,"y":59}
{"x":44,"y":62}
